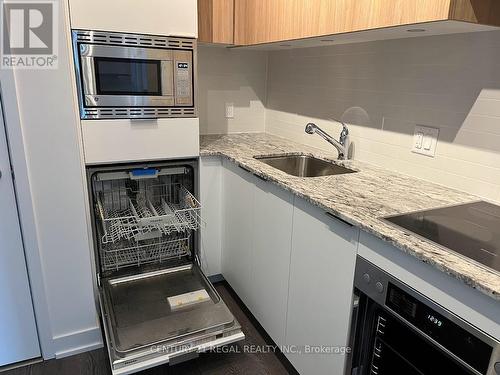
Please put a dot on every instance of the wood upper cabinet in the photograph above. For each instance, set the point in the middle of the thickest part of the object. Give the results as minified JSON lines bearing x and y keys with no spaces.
{"x":265,"y":21}
{"x":216,"y":21}
{"x":485,"y":12}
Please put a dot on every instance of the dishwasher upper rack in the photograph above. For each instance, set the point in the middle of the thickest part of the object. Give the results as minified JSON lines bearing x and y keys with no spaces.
{"x":151,"y":211}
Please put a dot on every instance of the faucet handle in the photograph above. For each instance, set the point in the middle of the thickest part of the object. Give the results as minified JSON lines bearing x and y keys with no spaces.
{"x":311,"y":128}
{"x":345,"y":130}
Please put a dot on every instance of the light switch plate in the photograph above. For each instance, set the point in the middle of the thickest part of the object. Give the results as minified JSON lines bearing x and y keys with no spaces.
{"x":425,"y":140}
{"x":229,"y":110}
{"x":418,"y":140}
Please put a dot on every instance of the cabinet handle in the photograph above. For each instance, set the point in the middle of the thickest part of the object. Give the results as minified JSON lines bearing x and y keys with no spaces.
{"x":338,"y":219}
{"x":139,"y":120}
{"x":249,"y":171}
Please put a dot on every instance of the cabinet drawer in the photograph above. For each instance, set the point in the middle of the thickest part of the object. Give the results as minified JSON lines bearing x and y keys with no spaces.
{"x":110,"y":141}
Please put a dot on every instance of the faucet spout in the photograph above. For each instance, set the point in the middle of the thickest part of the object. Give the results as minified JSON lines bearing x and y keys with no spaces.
{"x":340,"y":145}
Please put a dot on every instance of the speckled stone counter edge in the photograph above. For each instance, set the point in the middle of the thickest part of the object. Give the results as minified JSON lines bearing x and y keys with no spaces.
{"x":364,"y":198}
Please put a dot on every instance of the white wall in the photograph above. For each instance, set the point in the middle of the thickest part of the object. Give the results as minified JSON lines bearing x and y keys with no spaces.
{"x":51,"y":141}
{"x":236,"y":76}
{"x":385,"y":88}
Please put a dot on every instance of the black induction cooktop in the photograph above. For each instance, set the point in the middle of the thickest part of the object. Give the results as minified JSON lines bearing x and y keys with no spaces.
{"x":471,"y":229}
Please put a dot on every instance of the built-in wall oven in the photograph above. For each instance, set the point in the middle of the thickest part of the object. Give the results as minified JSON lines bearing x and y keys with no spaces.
{"x":396,"y":330}
{"x":134,"y":76}
{"x":156,"y":304}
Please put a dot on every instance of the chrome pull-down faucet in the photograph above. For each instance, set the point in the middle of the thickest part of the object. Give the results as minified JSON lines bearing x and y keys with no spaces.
{"x":340,"y":145}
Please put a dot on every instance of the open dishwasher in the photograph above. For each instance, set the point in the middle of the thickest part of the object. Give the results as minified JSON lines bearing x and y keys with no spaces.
{"x":157,"y":306}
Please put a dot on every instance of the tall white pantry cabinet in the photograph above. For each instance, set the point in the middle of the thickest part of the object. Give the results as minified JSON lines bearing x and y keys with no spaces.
{"x":49,"y":158}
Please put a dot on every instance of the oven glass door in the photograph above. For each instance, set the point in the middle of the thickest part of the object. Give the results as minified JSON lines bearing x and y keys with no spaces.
{"x":398,"y":349}
{"x":122,"y":76}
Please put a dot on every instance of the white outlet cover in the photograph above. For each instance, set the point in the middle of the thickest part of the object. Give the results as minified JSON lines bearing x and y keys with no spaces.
{"x":229,"y":110}
{"x":425,"y":140}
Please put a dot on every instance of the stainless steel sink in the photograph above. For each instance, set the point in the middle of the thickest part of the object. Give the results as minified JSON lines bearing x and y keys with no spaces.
{"x":303,"y":166}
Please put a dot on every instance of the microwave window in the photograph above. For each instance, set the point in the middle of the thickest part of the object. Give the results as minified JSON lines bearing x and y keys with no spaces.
{"x":127,"y":76}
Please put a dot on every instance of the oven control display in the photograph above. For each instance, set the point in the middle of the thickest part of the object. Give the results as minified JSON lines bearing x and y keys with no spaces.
{"x":437,"y":322}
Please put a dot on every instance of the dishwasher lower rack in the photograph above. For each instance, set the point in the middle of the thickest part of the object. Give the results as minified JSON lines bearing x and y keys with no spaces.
{"x":151,"y":211}
{"x":126,"y":253}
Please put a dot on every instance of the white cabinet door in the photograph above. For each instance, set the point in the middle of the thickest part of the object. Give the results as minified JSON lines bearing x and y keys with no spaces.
{"x":257,"y":243}
{"x":156,"y":17}
{"x":238,"y":192}
{"x":18,"y":334}
{"x":211,"y":213}
{"x":320,"y":291}
{"x":272,"y":233}
{"x":124,"y":140}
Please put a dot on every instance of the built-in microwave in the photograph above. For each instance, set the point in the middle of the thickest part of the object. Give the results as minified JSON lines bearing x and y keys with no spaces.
{"x":134,"y":76}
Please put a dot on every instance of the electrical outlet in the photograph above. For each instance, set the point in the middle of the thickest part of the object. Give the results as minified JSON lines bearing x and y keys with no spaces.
{"x":229,"y":110}
{"x":425,"y":140}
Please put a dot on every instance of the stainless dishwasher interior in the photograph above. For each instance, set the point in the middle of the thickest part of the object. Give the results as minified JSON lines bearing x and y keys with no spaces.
{"x":145,"y":222}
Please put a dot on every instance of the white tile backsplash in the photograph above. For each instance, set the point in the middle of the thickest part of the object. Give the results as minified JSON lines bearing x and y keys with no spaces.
{"x":234,"y":76}
{"x":383,"y":89}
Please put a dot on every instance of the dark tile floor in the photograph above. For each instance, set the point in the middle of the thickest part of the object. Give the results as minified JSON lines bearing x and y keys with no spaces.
{"x":96,"y":362}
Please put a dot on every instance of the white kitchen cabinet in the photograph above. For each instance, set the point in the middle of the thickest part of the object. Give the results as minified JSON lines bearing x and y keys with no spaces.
{"x":256,"y":247}
{"x":272,"y":233}
{"x":291,"y":264}
{"x":155,"y":17}
{"x":211,"y":214}
{"x":320,"y":292}
{"x":126,"y":140}
{"x":41,"y":115}
{"x":238,"y":192}
{"x":18,"y":334}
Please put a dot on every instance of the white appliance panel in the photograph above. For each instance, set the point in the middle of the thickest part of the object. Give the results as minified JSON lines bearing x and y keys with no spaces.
{"x":18,"y":333}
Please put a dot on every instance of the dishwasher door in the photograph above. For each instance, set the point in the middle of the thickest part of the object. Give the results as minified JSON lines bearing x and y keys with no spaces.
{"x":145,"y":328}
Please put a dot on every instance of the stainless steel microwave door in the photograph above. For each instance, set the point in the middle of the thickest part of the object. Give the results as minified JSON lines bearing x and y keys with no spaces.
{"x":126,"y":76}
{"x":134,"y":76}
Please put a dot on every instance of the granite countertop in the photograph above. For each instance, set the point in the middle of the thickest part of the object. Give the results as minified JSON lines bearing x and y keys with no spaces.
{"x":360,"y":198}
